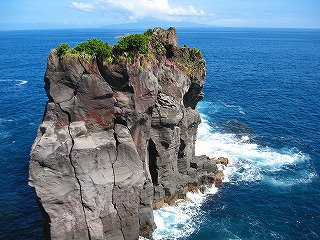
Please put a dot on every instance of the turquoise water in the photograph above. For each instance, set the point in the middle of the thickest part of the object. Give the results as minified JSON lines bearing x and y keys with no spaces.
{"x":261,"y":110}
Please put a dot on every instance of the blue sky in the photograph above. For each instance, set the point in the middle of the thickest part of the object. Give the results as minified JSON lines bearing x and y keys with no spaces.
{"x":39,"y":14}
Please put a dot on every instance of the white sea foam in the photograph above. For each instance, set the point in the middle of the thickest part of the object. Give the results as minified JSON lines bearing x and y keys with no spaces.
{"x":21,"y":82}
{"x":4,"y":134}
{"x":248,"y":161}
{"x":245,"y":139}
{"x":16,"y":81}
{"x":182,"y":219}
{"x":3,"y":120}
{"x":239,"y":108}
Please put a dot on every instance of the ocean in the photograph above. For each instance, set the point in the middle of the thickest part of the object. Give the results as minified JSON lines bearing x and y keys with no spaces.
{"x":261,"y":110}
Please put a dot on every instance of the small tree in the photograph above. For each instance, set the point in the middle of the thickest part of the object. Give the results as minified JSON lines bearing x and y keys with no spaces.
{"x":63,"y":48}
{"x":149,"y":32}
{"x":94,"y":47}
{"x":132,"y":44}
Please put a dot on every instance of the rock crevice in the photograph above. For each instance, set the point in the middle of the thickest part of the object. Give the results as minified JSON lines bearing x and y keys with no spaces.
{"x":79,"y":183}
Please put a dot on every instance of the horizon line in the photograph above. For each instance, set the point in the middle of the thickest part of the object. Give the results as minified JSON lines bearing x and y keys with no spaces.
{"x":113,"y":27}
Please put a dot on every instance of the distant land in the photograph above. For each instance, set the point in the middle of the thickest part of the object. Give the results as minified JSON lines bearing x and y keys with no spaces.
{"x":153,"y":24}
{"x":132,"y":25}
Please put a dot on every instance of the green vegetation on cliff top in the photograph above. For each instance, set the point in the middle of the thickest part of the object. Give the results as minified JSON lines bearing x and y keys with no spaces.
{"x":133,"y":45}
{"x":130,"y":45}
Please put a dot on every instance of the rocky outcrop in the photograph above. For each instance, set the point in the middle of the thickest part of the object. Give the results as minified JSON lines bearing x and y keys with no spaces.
{"x":117,"y":140}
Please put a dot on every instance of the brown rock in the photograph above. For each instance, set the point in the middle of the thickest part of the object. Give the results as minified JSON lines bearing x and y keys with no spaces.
{"x":221,"y":160}
{"x":218,"y":179}
{"x":117,"y":141}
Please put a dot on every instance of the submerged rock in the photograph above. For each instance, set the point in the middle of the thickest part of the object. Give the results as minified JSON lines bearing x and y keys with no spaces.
{"x":117,"y":139}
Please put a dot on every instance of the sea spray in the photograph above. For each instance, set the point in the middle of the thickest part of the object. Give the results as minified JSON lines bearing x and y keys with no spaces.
{"x":183,"y":218}
{"x":250,"y":162}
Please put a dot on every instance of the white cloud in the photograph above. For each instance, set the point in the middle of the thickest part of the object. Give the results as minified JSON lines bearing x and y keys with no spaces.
{"x":83,"y":6}
{"x":140,"y":9}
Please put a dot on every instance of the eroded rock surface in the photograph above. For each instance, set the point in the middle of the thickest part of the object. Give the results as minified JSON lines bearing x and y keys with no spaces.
{"x":117,"y":140}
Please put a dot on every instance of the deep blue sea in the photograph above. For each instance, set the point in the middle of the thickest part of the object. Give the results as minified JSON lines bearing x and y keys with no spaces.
{"x":261,"y":110}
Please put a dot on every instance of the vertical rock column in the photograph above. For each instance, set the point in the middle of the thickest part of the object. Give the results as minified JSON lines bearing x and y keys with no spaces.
{"x":89,"y":177}
{"x":181,"y":76}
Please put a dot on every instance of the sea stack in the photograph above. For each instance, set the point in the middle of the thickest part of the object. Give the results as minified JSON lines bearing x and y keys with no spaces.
{"x":117,"y":139}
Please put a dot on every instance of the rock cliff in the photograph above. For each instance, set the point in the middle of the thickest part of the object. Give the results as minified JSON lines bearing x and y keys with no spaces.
{"x":117,"y":140}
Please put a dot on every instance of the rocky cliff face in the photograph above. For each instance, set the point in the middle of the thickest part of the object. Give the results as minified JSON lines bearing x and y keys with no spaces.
{"x":117,"y":140}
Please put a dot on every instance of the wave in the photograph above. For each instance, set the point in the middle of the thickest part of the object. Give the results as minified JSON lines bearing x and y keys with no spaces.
{"x":239,"y":108}
{"x":22,"y":82}
{"x":5,"y":134}
{"x":182,"y":219}
{"x":217,"y":106}
{"x":3,"y":120}
{"x":18,"y":82}
{"x":250,"y":162}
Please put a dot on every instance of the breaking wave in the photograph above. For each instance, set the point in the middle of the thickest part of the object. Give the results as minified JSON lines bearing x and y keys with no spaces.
{"x":183,"y":219}
{"x":16,"y":81}
{"x":248,"y":162}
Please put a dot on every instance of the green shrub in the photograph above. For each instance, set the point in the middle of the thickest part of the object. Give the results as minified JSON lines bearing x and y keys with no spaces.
{"x":94,"y":47}
{"x":132,"y":44}
{"x":127,"y":47}
{"x":63,"y":48}
{"x":148,"y":33}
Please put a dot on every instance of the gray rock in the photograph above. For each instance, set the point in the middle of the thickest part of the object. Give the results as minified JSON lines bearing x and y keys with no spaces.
{"x":117,"y":140}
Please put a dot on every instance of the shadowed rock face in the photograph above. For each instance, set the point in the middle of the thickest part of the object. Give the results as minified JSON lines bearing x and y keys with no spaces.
{"x":117,"y":140}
